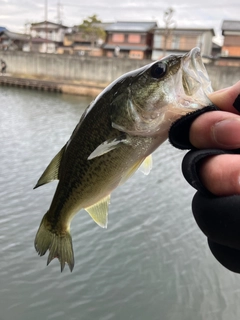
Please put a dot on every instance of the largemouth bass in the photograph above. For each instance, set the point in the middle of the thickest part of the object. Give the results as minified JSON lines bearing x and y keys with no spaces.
{"x":115,"y":136}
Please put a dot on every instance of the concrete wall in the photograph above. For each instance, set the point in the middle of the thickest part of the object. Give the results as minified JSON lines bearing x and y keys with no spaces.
{"x":67,"y":67}
{"x":223,"y":76}
{"x":98,"y":70}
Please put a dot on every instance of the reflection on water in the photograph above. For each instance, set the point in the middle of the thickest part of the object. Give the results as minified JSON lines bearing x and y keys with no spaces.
{"x":151,"y":263}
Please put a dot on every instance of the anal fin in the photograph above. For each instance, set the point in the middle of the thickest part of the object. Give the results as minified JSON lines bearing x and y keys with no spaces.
{"x":99,"y":211}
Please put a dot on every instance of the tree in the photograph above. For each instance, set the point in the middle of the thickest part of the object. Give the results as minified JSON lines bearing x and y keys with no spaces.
{"x":169,"y":26}
{"x":91,"y":29}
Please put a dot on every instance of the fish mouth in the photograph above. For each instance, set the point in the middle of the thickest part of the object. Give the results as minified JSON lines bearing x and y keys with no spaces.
{"x":195,"y":78}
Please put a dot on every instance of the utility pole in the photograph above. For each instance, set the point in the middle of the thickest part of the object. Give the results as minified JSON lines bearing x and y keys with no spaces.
{"x":59,"y":20}
{"x":46,"y":10}
{"x":46,"y":26}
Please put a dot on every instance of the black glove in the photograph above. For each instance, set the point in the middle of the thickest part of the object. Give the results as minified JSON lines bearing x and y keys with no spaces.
{"x":217,"y":217}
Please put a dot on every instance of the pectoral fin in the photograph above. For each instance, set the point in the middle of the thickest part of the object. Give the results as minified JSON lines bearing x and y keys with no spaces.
{"x":51,"y":172}
{"x":146,"y":166}
{"x":130,"y":172}
{"x":107,"y":146}
{"x":99,"y":212}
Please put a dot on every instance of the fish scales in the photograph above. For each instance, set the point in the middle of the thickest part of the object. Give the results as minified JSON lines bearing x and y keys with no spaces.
{"x":114,"y":137}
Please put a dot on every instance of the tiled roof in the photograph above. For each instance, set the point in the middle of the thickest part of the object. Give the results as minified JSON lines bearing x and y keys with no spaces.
{"x":49,"y":23}
{"x":140,"y":26}
{"x":186,"y":31}
{"x":2,"y":29}
{"x":41,"y":40}
{"x":231,"y":25}
{"x":15,"y":36}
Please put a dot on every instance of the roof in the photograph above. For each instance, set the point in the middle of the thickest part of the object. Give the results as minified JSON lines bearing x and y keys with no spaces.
{"x":38,"y":24}
{"x":231,"y":25}
{"x":41,"y":40}
{"x":102,"y":25}
{"x":137,"y":26}
{"x":2,"y":29}
{"x":187,"y":31}
{"x":15,"y":36}
{"x":125,"y":47}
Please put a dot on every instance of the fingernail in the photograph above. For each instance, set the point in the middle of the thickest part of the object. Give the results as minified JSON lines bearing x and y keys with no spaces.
{"x":227,"y":133}
{"x":236,"y":103}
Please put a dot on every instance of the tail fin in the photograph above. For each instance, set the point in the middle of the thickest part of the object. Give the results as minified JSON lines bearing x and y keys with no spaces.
{"x":59,"y":245}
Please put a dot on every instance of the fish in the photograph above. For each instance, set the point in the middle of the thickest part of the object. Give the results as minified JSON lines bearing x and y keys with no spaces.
{"x":116,"y":136}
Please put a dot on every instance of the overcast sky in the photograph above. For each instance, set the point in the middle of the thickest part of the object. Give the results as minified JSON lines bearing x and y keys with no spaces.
{"x":14,"y":14}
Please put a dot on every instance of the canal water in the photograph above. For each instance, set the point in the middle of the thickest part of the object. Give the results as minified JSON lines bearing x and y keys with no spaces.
{"x":151,"y":263}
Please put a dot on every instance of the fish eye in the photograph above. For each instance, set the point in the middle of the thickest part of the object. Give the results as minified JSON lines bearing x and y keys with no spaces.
{"x":158,"y":70}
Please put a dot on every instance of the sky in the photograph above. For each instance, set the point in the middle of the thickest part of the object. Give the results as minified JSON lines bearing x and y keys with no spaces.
{"x":15,"y":14}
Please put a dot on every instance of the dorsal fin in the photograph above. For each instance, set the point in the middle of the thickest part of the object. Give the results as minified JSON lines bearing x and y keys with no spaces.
{"x":99,"y":211}
{"x":51,"y":172}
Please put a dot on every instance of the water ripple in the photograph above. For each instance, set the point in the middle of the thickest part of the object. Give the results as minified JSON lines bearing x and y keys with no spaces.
{"x":152,"y":261}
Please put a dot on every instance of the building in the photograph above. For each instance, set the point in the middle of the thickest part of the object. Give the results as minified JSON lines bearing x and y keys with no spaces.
{"x":77,"y":43}
{"x":82,"y":43}
{"x":181,"y":40}
{"x":12,"y":41}
{"x":231,"y":43}
{"x":48,"y":30}
{"x":2,"y":29}
{"x":42,"y":45}
{"x":46,"y":36}
{"x":129,"y":39}
{"x":230,"y":54}
{"x":216,"y":50}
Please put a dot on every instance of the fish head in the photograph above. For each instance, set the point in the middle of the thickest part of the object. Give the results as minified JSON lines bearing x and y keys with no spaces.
{"x":161,"y":92}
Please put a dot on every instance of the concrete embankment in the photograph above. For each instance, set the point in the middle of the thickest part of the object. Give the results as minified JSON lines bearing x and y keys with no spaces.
{"x":89,"y":75}
{"x":80,"y":88}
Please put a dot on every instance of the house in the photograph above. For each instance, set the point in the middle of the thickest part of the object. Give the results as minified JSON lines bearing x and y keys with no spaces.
{"x":231,"y":43}
{"x":76,"y":42}
{"x":181,"y":40}
{"x":216,"y":50}
{"x":12,"y":40}
{"x":82,"y":43}
{"x":2,"y":29}
{"x":46,"y":36}
{"x":42,"y":45}
{"x":129,"y":39}
{"x":48,"y":30}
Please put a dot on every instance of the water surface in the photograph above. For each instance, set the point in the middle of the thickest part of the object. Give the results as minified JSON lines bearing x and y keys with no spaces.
{"x":151,"y":263}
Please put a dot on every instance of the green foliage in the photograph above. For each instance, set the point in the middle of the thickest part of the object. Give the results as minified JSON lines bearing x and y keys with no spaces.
{"x":91,"y":29}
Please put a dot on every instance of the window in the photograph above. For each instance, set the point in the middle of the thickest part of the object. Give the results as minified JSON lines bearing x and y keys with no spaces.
{"x":134,"y":38}
{"x":175,"y":42}
{"x":157,"y":41}
{"x":136,"y":54}
{"x":118,"y":37}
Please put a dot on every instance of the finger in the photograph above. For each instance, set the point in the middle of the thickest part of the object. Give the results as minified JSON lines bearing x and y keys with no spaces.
{"x":216,"y":129}
{"x":220,"y":174}
{"x":225,"y":98}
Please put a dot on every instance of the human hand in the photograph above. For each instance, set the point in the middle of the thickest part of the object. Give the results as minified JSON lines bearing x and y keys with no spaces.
{"x":220,"y":174}
{"x":213,"y":168}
